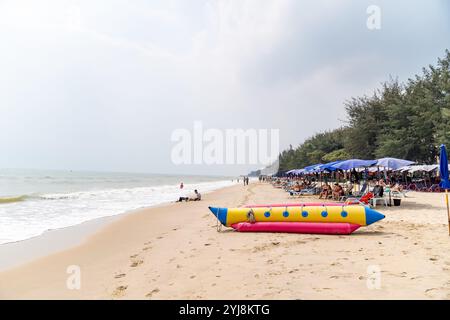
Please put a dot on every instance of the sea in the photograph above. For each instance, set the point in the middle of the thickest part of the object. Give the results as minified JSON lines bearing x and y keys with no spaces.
{"x":35,"y":201}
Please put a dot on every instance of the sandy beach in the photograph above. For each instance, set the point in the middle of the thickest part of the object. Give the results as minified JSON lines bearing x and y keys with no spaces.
{"x":174,"y":252}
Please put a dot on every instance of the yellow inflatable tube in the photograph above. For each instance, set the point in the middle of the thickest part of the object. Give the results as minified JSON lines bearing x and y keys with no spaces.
{"x":356,"y":214}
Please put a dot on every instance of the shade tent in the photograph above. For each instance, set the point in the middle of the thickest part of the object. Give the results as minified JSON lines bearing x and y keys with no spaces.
{"x":393,"y":163}
{"x":353,"y":164}
{"x":311,"y":169}
{"x":295,"y":171}
{"x":415,"y":168}
{"x":371,"y":169}
{"x":328,"y":166}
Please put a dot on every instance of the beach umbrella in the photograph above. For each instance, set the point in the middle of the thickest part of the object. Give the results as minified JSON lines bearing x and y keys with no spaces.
{"x":328,"y":166}
{"x":393,"y":163}
{"x":445,"y":183}
{"x":311,"y":168}
{"x":354,"y":163}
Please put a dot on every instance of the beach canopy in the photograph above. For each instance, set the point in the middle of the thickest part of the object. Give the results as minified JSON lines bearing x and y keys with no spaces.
{"x":371,"y":169}
{"x":423,"y":167}
{"x":354,"y":163}
{"x":393,"y":163}
{"x":328,"y":166}
{"x":311,"y":169}
{"x":443,"y":168}
{"x":295,"y":171}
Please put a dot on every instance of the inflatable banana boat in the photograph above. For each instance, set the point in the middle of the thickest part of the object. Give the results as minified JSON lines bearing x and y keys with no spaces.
{"x":327,"y":219}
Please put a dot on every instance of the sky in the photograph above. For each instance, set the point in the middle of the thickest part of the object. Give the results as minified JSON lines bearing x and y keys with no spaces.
{"x":102,"y":84}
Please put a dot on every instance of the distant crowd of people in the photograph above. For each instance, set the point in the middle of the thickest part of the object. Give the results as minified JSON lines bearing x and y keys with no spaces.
{"x":335,"y":191}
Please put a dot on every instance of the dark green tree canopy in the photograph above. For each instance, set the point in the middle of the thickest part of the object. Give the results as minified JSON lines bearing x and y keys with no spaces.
{"x":402,"y":120}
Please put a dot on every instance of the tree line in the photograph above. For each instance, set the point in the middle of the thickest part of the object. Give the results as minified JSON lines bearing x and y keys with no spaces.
{"x":402,"y":120}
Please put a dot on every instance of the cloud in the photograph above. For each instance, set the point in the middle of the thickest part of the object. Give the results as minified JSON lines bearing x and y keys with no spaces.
{"x":102,"y":84}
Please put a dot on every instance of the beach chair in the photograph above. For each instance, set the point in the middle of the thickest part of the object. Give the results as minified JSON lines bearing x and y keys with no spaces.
{"x":362,"y":191}
{"x":379,"y":198}
{"x":364,"y":200}
{"x":373,"y":202}
{"x":435,"y":188}
{"x":309,"y":191}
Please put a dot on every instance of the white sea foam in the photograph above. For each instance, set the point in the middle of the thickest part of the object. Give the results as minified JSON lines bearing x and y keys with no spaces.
{"x":46,"y":211}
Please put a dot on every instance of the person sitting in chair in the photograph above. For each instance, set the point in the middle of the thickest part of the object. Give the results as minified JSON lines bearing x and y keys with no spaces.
{"x":326,"y":191}
{"x":338,"y":191}
{"x":378,"y":190}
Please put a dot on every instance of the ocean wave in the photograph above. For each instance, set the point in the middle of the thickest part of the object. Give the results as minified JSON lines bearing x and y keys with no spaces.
{"x":4,"y":200}
{"x":30,"y":215}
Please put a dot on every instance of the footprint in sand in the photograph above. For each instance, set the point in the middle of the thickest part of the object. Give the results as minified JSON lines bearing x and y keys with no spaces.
{"x":429,"y":291}
{"x":118,"y":276}
{"x":151,"y":293}
{"x":434,"y":259}
{"x":119,"y":291}
{"x":136,"y":263}
{"x":146,"y":248}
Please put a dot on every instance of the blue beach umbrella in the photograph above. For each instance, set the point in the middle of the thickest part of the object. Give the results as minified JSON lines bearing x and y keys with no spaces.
{"x":443,"y":168}
{"x":310,"y":169}
{"x":328,"y":166}
{"x":393,"y":163}
{"x":443,"y":172}
{"x":354,"y":163}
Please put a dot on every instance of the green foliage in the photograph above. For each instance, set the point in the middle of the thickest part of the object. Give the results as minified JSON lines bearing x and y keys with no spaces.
{"x":340,"y":154}
{"x":407,"y":121}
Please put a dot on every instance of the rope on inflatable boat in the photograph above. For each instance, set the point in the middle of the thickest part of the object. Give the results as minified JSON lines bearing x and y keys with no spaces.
{"x":251,"y":216}
{"x":218,"y":225}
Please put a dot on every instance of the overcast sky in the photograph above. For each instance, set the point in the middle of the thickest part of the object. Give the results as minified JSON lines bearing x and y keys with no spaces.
{"x":102,"y":84}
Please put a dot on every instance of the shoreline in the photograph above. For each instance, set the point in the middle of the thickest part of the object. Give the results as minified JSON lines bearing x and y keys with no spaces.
{"x":175,"y":252}
{"x":16,"y":253}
